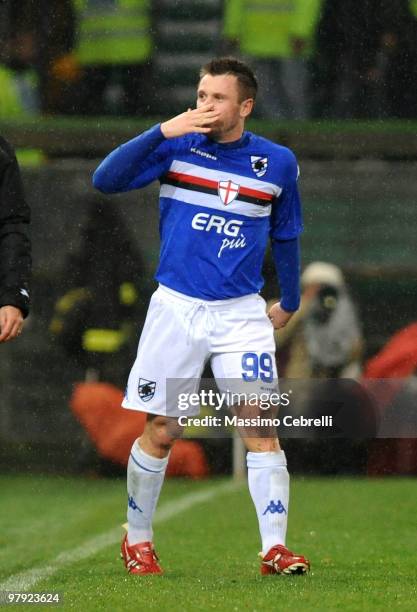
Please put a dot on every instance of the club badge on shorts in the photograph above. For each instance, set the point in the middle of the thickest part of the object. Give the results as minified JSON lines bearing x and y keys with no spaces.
{"x":259,"y":165}
{"x":146,"y":389}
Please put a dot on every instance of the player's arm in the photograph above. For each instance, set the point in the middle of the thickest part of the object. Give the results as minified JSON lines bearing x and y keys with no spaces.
{"x":286,"y":225}
{"x":134,"y":164}
{"x":146,"y":157}
{"x":286,"y":255}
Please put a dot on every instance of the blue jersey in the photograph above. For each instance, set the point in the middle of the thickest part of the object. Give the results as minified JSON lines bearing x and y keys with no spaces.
{"x":219,"y":204}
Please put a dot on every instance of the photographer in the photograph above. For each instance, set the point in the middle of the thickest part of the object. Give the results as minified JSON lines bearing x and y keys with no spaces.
{"x":323,"y":339}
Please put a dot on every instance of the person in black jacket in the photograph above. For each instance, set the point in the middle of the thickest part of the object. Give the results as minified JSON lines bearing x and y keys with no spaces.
{"x":15,"y":248}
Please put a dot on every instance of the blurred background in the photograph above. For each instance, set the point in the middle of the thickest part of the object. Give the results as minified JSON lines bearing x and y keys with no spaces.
{"x":337,"y":85}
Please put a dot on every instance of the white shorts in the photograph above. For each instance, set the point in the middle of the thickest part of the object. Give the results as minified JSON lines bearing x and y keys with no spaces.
{"x":181,"y":334}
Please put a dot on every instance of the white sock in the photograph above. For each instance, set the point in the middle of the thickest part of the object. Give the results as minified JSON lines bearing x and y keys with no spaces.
{"x":269,"y":486}
{"x":145,"y":475}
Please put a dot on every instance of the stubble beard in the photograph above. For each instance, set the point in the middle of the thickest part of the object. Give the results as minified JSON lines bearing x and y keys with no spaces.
{"x":221,"y":132}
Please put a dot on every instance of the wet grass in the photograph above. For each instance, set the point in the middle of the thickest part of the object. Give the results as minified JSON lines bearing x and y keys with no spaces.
{"x":359,"y":535}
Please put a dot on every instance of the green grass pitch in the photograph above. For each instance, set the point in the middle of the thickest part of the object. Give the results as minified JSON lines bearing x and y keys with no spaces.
{"x":359,"y":534}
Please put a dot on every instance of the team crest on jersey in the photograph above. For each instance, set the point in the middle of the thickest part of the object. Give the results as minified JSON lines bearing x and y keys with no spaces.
{"x":228,"y":191}
{"x":259,"y":165}
{"x":146,"y":389}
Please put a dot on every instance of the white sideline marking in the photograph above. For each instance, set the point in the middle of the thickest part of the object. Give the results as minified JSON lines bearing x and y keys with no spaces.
{"x":25,"y":580}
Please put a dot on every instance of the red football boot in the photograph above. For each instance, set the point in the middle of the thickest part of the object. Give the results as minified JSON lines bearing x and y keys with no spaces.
{"x":140,"y":558}
{"x":280,"y":560}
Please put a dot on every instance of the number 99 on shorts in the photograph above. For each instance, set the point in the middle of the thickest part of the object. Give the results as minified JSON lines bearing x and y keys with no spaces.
{"x":257,"y":367}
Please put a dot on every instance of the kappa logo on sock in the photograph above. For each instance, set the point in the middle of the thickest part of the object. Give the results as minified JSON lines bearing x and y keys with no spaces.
{"x":275,"y":508}
{"x":146,"y":389}
{"x":132,"y":504}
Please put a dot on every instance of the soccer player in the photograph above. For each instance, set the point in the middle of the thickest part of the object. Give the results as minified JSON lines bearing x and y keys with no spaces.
{"x":15,"y":251}
{"x":224,"y":191}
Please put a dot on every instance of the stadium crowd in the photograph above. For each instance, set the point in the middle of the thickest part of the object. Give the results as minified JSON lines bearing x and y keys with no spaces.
{"x":322,"y":58}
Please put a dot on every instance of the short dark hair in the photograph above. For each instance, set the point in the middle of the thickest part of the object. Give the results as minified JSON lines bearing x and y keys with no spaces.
{"x":248,"y":85}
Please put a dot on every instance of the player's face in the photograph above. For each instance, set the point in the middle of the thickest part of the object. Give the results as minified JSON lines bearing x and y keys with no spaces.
{"x":222,"y":92}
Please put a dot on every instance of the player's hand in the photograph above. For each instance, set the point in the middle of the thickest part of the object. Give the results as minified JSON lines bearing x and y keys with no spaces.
{"x":11,"y":323}
{"x":278,"y":316}
{"x":197,"y":120}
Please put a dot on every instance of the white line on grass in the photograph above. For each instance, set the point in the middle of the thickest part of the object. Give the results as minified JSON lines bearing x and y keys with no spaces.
{"x":25,"y":580}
